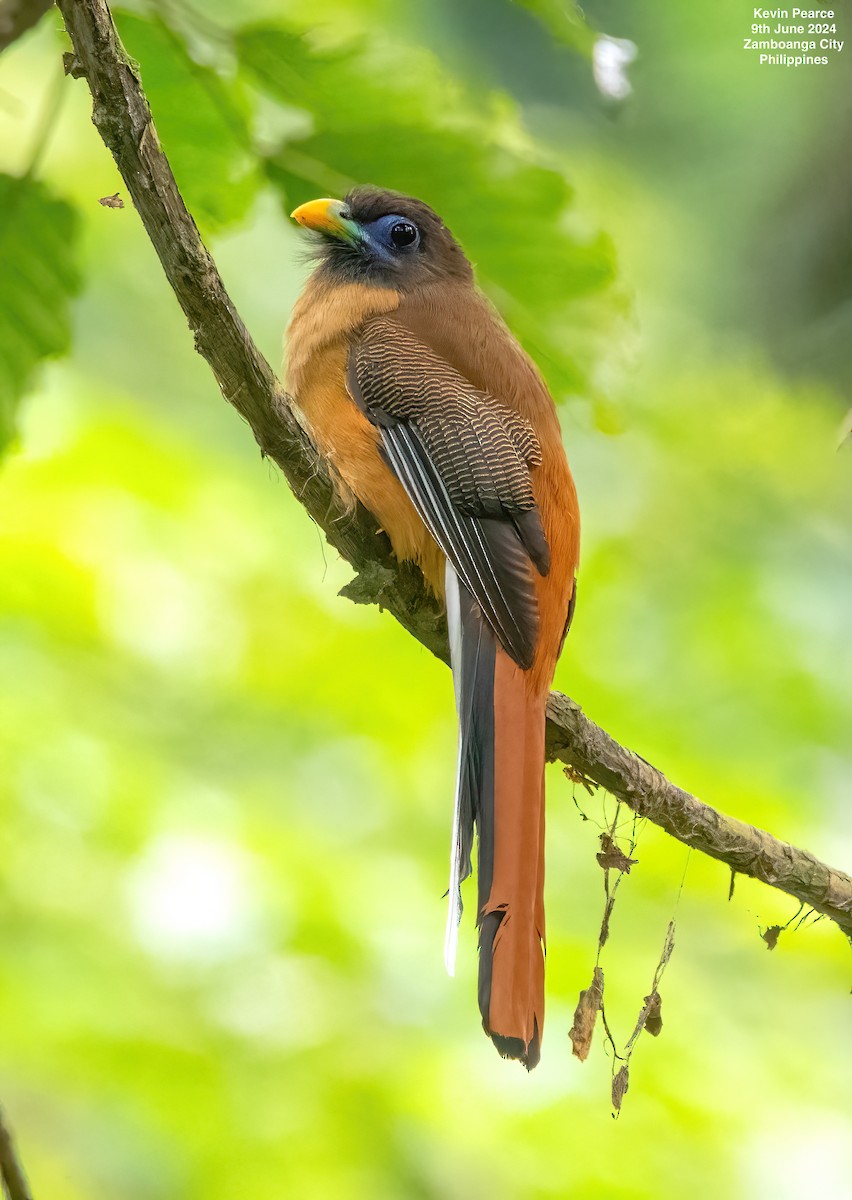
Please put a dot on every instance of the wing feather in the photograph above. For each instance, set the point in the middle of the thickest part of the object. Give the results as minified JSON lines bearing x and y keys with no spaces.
{"x":464,"y":459}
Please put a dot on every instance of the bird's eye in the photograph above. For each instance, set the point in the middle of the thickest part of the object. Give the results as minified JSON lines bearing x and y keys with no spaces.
{"x":403,"y":234}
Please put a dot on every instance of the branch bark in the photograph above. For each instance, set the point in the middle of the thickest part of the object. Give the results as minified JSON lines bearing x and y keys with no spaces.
{"x":123,"y":119}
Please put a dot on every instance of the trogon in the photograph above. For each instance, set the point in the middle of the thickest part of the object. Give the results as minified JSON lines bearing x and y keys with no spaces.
{"x":430,"y":413}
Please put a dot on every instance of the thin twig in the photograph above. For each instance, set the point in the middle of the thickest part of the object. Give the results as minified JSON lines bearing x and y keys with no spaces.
{"x":15,"y":1186}
{"x":123,"y":119}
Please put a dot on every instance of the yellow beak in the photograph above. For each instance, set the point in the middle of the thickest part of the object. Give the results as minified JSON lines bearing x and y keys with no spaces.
{"x":327,"y":216}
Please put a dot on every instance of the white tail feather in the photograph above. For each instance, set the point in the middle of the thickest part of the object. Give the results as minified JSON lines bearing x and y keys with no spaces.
{"x":451,"y":937}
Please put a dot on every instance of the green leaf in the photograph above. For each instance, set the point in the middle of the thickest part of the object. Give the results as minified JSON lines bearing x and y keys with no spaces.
{"x":565,"y":21}
{"x":201,"y":121}
{"x":39,"y":276}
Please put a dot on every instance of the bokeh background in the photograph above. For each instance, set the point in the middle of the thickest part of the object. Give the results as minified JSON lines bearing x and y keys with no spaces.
{"x":226,"y":792}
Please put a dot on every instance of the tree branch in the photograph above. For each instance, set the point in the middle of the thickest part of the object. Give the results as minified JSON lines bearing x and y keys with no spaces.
{"x":123,"y":119}
{"x":15,"y":1186}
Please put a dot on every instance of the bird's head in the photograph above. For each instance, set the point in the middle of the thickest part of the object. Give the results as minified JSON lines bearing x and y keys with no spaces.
{"x":384,"y":238}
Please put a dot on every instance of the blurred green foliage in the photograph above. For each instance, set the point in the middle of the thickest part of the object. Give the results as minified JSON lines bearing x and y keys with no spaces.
{"x":207,"y":136}
{"x":37,"y":267}
{"x":565,"y":21}
{"x":226,"y":793}
{"x":381,"y":114}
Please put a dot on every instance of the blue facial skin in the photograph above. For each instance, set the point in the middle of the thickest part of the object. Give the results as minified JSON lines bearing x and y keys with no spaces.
{"x":391,"y":237}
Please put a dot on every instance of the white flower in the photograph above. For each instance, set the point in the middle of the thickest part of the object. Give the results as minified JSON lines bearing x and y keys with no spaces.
{"x":610,"y":59}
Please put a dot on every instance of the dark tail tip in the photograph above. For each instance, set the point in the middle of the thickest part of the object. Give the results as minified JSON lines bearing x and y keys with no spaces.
{"x":507,"y":1047}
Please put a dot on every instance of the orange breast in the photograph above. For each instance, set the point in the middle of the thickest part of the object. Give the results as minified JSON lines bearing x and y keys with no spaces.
{"x":318,"y":339}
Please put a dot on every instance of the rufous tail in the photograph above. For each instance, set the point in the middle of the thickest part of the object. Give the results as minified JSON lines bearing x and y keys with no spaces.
{"x":501,"y":791}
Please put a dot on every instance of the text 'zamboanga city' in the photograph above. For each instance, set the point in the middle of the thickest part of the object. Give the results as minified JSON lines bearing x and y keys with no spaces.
{"x":802,"y":31}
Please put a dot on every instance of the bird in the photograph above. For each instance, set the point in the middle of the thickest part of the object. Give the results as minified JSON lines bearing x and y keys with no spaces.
{"x":429,"y":413}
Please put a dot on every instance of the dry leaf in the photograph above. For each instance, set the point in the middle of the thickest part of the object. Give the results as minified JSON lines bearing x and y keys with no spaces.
{"x":612,"y":855}
{"x":653,"y":1014}
{"x":771,"y":936}
{"x":72,"y":65}
{"x":577,"y":776}
{"x":112,"y":201}
{"x":586,"y":1014}
{"x":649,"y":1008}
{"x":668,"y":950}
{"x":620,"y":1083}
{"x":604,"y":933}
